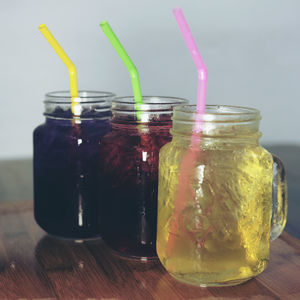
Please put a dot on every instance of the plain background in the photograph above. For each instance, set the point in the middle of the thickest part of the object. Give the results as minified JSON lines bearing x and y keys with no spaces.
{"x":251,"y":49}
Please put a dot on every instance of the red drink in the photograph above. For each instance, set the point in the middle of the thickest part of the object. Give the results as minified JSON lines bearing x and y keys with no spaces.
{"x":129,"y":163}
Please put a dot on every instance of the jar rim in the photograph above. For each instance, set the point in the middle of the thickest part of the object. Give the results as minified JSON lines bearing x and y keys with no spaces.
{"x":163,"y":99}
{"x":150,"y":103}
{"x":216,"y":113}
{"x":85,"y":96}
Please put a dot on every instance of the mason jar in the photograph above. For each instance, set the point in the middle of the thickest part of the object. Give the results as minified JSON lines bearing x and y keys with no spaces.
{"x":67,"y":191}
{"x":129,"y":160}
{"x":222,"y":197}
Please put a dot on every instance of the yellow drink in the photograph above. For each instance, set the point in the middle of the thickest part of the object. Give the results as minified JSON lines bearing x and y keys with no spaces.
{"x":218,"y":231}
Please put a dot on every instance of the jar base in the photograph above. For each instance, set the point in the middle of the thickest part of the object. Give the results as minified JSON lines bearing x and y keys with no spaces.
{"x":133,"y":257}
{"x":71,"y":235}
{"x":129,"y":248}
{"x":210,"y":284}
{"x":74,"y":239}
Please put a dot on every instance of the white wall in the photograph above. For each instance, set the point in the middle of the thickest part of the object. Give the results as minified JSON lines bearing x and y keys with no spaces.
{"x":251,"y":49}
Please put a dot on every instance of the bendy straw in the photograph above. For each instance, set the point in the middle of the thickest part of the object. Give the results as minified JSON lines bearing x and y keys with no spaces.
{"x":201,"y":68}
{"x":126,"y":60}
{"x":190,"y":157}
{"x":75,"y":106}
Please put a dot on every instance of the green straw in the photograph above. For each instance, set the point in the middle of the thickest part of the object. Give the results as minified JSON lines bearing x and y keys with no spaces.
{"x":134,"y":74}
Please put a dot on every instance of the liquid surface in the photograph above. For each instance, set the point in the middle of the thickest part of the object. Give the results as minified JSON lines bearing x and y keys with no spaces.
{"x":214,"y":214}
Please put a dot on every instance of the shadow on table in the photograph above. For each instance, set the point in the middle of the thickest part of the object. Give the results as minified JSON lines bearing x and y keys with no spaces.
{"x":16,"y":181}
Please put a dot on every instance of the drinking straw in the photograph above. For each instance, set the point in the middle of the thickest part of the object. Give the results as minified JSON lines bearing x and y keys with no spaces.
{"x":127,"y":61}
{"x":200,"y":65}
{"x":75,"y":106}
{"x":190,"y":157}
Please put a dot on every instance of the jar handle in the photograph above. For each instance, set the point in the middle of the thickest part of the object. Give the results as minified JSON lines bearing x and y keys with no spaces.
{"x":279,"y":199}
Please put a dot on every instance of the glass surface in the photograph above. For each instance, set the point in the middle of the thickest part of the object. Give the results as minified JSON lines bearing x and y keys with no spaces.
{"x":66,"y":186}
{"x":215,"y":198}
{"x":129,"y":160}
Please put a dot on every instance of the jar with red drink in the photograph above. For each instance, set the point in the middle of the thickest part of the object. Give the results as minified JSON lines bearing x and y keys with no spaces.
{"x":129,"y":163}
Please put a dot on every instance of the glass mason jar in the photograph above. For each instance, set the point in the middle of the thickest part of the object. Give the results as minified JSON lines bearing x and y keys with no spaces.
{"x":66,"y":154}
{"x":216,"y":213}
{"x":129,"y":160}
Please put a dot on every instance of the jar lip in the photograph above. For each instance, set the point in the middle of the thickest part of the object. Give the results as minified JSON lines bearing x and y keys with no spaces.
{"x":86,"y":96}
{"x":84,"y":119}
{"x":149,"y":103}
{"x":217,"y":113}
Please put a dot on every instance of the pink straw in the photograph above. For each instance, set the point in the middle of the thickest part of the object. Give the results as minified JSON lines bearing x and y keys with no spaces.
{"x":190,"y":157}
{"x":200,"y":65}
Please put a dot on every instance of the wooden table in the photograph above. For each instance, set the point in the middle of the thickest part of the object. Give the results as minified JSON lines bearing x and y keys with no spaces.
{"x":34,"y":265}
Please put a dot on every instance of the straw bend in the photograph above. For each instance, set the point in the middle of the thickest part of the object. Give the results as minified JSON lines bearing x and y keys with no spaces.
{"x":134,"y":75}
{"x":189,"y":159}
{"x":189,"y":39}
{"x":200,"y":65}
{"x":69,"y":64}
{"x":202,"y":74}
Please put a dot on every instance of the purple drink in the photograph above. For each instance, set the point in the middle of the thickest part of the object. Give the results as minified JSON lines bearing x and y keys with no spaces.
{"x":67,"y":191}
{"x":129,"y":163}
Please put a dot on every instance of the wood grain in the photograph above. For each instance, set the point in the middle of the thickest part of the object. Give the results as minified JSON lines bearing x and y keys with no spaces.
{"x":35,"y":265}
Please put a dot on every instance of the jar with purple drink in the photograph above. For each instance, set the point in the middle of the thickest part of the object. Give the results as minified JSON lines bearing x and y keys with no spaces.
{"x":129,"y":164}
{"x":67,"y":190}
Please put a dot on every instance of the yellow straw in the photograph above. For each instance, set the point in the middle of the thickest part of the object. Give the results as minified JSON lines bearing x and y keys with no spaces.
{"x":75,"y":107}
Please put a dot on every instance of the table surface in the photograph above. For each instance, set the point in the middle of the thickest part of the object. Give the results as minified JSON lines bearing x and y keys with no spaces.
{"x":35,"y":265}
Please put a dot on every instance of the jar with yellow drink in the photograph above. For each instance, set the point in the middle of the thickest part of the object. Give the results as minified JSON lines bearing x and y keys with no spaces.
{"x":221,"y":199}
